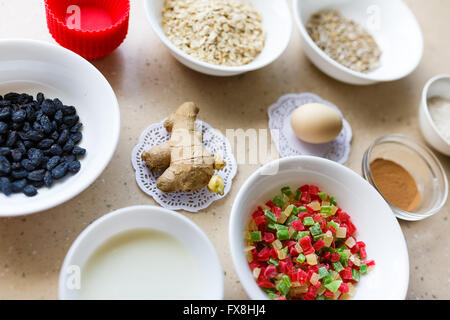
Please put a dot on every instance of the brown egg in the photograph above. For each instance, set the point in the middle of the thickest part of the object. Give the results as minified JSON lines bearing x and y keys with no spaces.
{"x":316,"y":123}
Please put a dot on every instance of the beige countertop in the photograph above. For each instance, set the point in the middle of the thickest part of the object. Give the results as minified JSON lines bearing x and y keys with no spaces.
{"x":149,"y":83}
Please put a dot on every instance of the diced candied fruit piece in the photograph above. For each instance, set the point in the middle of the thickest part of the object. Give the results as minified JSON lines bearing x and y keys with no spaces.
{"x":346,"y":274}
{"x":350,"y":242}
{"x":311,"y":259}
{"x":270,"y":271}
{"x":328,"y":238}
{"x":315,"y":205}
{"x":335,"y":256}
{"x":260,"y":220}
{"x":314,"y":279}
{"x":313,"y":190}
{"x":256,"y":273}
{"x":268,"y":237}
{"x":361,"y":244}
{"x":265,"y":284}
{"x":341,"y":232}
{"x":277,"y":244}
{"x":276,"y":211}
{"x":319,"y":245}
{"x":298,"y":225}
{"x":362,"y":253}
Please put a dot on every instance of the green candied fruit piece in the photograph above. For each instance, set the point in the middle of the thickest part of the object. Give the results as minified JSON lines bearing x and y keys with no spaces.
{"x":337,"y":266}
{"x":333,"y":286}
{"x":323,"y":272}
{"x":286,"y":190}
{"x":322,"y":297}
{"x":301,"y":258}
{"x":255,"y":236}
{"x":271,"y":226}
{"x":291,"y":218}
{"x":273,"y":262}
{"x":326,"y":209}
{"x":301,"y":209}
{"x":272,"y":296}
{"x":280,"y":227}
{"x":271,"y":217}
{"x":298,"y":195}
{"x":332,"y":224}
{"x":302,"y":234}
{"x":363,"y":268}
{"x":315,"y":229}
{"x":283,"y":235}
{"x":308,"y":221}
{"x":284,"y":285}
{"x":279,"y":201}
{"x":323,"y":195}
{"x":317,"y":237}
{"x":355,"y":275}
{"x":333,"y":201}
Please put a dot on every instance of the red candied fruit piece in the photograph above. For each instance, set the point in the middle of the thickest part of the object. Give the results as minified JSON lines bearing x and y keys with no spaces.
{"x":269,"y":237}
{"x":317,"y":217}
{"x":344,"y":288}
{"x":305,"y":243}
{"x":310,"y":210}
{"x":361,"y":244}
{"x":257,"y":213}
{"x":363,"y":253}
{"x":304,"y":188}
{"x":293,"y":252}
{"x":313,"y":190}
{"x":328,"y":294}
{"x":332,"y":229}
{"x":254,"y":264}
{"x":276,"y":211}
{"x":301,"y":215}
{"x":319,"y":245}
{"x":290,"y":243}
{"x":265,"y":284}
{"x":335,"y":257}
{"x":270,"y":272}
{"x":281,"y":298}
{"x":270,"y":204}
{"x":274,"y":253}
{"x":302,"y":276}
{"x":351,"y":229}
{"x":312,"y":291}
{"x":305,"y":197}
{"x":354,"y":249}
{"x":370,"y":263}
{"x":343,"y":216}
{"x":260,"y":220}
{"x":326,"y":256}
{"x":264,"y":254}
{"x":298,"y":225}
{"x":346,"y":274}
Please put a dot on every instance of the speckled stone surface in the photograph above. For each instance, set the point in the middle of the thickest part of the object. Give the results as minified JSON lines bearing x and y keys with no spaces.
{"x":149,"y":83}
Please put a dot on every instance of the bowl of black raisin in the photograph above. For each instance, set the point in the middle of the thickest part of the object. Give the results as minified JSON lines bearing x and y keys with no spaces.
{"x":59,"y":125}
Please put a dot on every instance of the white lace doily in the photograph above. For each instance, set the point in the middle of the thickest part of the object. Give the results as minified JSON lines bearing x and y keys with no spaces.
{"x":213,"y":141}
{"x":287,"y":142}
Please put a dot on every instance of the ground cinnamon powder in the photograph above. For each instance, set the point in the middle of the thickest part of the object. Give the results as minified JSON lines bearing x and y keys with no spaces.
{"x":396,"y":184}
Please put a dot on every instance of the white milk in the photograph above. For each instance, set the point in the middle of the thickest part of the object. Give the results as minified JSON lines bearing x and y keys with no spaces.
{"x":142,"y":264}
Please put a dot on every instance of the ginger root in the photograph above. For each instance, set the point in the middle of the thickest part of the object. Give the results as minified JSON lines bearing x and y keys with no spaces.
{"x":189,"y":166}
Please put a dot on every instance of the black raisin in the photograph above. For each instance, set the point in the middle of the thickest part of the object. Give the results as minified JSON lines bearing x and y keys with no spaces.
{"x":17,"y":186}
{"x":30,"y":191}
{"x":12,"y":138}
{"x":63,"y":137}
{"x":46,"y":124}
{"x":76,"y":127}
{"x":45,"y":143}
{"x":28,"y":165}
{"x":19,"y":174}
{"x":68,"y":147}
{"x":78,"y":151}
{"x":5,"y":113}
{"x":48,"y":179}
{"x":40,"y":97}
{"x":69,"y":110}
{"x":5,"y":151}
{"x":5,"y":165}
{"x":76,"y":137}
{"x":16,"y":155}
{"x":3,"y":128}
{"x":71,"y":120}
{"x":59,"y":171}
{"x":19,"y":116}
{"x":48,"y":107}
{"x":53,"y":162}
{"x":5,"y":186}
{"x":55,"y":150}
{"x":37,"y":175}
{"x":74,"y":166}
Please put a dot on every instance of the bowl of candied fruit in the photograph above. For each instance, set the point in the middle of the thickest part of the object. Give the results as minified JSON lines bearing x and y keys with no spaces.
{"x":306,"y":228}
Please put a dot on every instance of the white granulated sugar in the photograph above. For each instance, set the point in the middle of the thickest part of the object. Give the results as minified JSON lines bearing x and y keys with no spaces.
{"x":440,"y":113}
{"x":221,"y":32}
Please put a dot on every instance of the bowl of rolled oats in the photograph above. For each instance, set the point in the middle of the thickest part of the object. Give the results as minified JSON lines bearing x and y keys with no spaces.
{"x":222,"y":37}
{"x":360,"y":42}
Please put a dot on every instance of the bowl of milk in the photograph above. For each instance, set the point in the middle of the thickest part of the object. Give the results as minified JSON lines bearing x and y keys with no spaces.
{"x":142,"y":253}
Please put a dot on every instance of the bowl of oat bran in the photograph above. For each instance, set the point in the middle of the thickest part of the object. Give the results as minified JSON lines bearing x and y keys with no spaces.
{"x":222,"y":37}
{"x":360,"y":42}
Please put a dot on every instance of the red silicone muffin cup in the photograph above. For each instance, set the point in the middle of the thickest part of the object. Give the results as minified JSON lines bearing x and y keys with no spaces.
{"x":91,"y":28}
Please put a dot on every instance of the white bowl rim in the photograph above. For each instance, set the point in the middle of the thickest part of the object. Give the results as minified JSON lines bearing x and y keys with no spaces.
{"x":425,"y":103}
{"x":250,"y":181}
{"x":115,"y":138}
{"x":359,"y":75}
{"x":129,"y":211}
{"x":244,"y":68}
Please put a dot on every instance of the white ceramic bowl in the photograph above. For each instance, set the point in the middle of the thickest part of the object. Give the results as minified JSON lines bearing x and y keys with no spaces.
{"x":437,"y":86}
{"x":372,"y":216}
{"x":392,"y":24}
{"x":277,"y":24}
{"x":144,"y":217}
{"x":33,"y":66}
